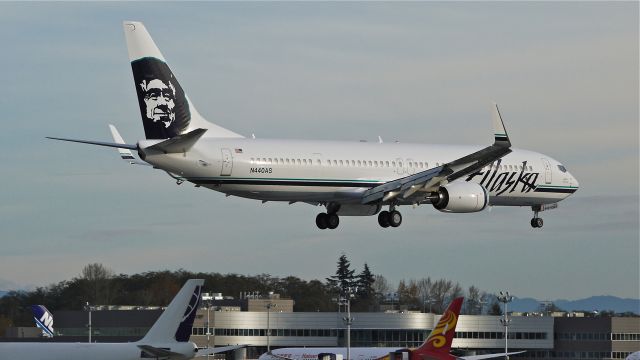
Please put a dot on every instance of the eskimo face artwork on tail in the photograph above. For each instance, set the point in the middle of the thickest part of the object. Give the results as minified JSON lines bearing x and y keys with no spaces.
{"x":163,"y":105}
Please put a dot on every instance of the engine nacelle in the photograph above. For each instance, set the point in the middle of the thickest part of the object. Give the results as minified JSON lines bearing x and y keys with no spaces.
{"x":358,"y":210}
{"x":461,"y":197}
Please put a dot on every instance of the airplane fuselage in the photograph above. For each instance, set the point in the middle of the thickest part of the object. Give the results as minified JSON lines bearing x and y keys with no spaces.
{"x":84,"y":351}
{"x":340,"y":171}
{"x":356,"y":353}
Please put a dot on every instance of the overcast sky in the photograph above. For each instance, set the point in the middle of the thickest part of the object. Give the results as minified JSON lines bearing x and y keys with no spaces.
{"x":564,"y":74}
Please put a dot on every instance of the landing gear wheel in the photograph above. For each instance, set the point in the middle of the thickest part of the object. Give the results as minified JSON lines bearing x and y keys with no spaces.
{"x":537,"y":222}
{"x":332,"y":221}
{"x":395,"y":218}
{"x":383,"y":219}
{"x":321,"y":221}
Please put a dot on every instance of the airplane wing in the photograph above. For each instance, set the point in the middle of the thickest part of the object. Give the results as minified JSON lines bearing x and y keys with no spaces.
{"x":211,"y":351}
{"x":159,"y":352}
{"x":279,"y":356}
{"x":489,"y":356}
{"x":431,"y":179}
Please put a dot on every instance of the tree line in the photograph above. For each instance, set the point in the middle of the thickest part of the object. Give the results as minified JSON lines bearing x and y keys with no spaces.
{"x":99,"y":285}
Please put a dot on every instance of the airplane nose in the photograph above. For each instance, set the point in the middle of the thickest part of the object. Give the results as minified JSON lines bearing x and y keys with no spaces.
{"x":574,"y":182}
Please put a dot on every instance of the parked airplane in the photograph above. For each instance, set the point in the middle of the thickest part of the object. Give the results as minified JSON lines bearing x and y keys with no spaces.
{"x":168,"y":338}
{"x":347,"y":178}
{"x":437,"y":346}
{"x":43,"y":319}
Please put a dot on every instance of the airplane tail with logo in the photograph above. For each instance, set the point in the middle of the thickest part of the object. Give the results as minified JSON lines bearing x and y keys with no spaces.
{"x":164,"y":106}
{"x":43,"y":319}
{"x":438,"y":344}
{"x":176,"y":321}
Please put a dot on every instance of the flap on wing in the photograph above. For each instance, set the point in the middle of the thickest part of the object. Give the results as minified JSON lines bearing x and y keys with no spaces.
{"x":178,"y":144}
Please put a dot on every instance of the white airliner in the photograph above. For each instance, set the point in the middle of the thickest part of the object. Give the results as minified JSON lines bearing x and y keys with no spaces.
{"x":436,"y":347}
{"x":347,"y":178}
{"x":168,"y":338}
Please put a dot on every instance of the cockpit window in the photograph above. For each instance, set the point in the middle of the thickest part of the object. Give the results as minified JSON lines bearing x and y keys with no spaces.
{"x":562,"y":168}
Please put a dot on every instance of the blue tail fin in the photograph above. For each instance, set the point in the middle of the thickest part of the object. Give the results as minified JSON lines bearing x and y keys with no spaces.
{"x":43,"y":319}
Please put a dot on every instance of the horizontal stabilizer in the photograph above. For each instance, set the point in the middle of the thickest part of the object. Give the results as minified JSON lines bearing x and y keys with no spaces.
{"x":158,"y":352}
{"x":217,"y":350}
{"x":178,"y":144}
{"x":99,"y":143}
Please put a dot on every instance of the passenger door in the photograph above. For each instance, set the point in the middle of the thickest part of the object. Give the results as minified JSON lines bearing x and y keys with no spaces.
{"x":547,"y":171}
{"x":227,"y":162}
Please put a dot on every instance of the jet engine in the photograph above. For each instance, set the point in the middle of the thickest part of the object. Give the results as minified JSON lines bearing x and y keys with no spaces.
{"x":460,"y":197}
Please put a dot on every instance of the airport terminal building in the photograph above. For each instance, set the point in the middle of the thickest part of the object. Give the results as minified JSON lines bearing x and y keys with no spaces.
{"x":256,"y":323}
{"x":474,"y":334}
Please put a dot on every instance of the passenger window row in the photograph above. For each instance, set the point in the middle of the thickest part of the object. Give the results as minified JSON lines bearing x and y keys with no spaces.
{"x":369,"y":163}
{"x":344,"y":163}
{"x":507,"y":167}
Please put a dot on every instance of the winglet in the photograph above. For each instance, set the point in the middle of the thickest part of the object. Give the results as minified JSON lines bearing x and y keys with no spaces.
{"x":501,"y":137}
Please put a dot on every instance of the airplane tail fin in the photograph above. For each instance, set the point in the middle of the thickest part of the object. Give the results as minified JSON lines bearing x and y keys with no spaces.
{"x":164,"y":106}
{"x":438,"y":344}
{"x":43,"y":319}
{"x":176,"y":321}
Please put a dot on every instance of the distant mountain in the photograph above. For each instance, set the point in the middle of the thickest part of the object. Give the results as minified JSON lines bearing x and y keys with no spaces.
{"x":3,"y":293}
{"x":600,"y":303}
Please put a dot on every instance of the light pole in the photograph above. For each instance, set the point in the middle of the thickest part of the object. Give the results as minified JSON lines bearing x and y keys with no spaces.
{"x":424,"y":307}
{"x":393,"y":297}
{"x":348,"y":320}
{"x":269,"y":307}
{"x":206,"y":298}
{"x":505,"y":298}
{"x":88,"y":308}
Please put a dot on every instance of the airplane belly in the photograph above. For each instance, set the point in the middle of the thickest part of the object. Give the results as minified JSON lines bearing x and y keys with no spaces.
{"x":291,"y":193}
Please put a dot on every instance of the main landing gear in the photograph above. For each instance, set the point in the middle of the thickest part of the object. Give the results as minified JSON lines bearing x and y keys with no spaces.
{"x":391,"y":218}
{"x":327,"y":221}
{"x":536,"y":222}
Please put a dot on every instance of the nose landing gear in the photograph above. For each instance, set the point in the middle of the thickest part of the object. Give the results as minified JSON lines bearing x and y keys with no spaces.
{"x":536,"y":222}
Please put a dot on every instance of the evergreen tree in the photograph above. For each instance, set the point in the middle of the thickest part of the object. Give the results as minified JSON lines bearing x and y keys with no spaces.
{"x":365,"y":283}
{"x":344,"y":279}
{"x":366,"y":296}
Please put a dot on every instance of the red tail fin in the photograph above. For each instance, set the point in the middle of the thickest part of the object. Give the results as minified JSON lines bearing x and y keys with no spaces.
{"x":438,"y":344}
